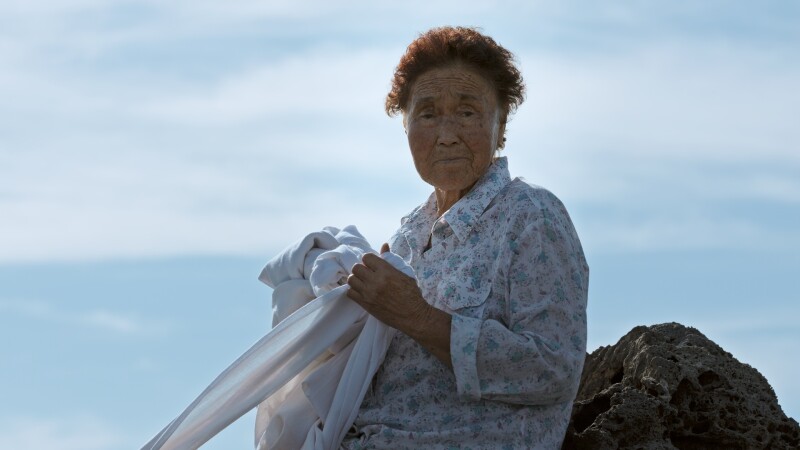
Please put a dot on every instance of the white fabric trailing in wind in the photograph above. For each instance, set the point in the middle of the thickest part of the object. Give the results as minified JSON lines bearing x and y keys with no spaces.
{"x":311,"y":371}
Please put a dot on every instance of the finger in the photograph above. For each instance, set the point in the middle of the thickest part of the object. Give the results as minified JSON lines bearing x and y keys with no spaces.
{"x":369,"y":257}
{"x":384,"y":248}
{"x":355,"y":295}
{"x":355,"y":283}
{"x":361,"y":270}
{"x":375,"y":262}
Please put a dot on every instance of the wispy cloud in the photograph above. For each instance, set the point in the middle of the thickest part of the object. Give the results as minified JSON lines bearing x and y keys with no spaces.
{"x":76,"y":433}
{"x":99,"y":319}
{"x":106,"y":154}
{"x":324,"y":82}
{"x":685,"y":100}
{"x":681,"y":233}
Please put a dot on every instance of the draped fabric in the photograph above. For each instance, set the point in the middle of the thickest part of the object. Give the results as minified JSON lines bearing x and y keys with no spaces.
{"x":312,"y":370}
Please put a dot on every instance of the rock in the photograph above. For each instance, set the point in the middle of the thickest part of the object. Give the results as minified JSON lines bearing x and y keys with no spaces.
{"x":669,"y":387}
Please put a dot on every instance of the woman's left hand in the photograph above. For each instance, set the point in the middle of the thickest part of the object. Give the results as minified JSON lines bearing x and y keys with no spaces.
{"x":387,"y":293}
{"x":395,"y":299}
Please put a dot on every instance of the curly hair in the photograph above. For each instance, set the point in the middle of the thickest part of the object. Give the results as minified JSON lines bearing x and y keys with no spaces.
{"x":443,"y":46}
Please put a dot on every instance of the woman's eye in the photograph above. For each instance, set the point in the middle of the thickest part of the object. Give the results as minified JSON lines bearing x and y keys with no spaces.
{"x":467,"y":113}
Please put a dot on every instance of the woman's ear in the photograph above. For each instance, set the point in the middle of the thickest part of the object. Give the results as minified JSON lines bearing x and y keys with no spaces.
{"x":501,"y":134}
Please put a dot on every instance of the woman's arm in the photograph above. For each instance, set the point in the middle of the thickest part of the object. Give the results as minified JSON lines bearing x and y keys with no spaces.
{"x":534,"y":353}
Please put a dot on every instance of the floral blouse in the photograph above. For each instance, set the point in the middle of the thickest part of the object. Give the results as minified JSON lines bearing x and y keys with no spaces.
{"x":506,"y":263}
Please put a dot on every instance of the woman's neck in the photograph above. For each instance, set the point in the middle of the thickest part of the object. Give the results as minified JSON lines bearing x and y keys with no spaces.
{"x":446,"y":199}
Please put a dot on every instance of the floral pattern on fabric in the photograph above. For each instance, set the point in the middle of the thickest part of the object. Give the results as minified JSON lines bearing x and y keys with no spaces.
{"x":506,"y":263}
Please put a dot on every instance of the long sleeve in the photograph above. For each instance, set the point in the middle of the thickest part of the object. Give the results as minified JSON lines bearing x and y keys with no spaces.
{"x":534,"y":353}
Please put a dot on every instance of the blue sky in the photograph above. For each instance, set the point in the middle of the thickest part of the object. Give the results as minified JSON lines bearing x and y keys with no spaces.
{"x":154,"y":155}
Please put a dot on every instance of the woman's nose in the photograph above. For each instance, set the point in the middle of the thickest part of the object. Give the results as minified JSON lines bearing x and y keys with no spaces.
{"x":447,"y":132}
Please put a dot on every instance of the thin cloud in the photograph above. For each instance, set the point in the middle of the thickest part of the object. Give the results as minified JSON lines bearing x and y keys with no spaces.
{"x":111,"y":321}
{"x":689,"y":101}
{"x":100,"y":319}
{"x":675,"y":233}
{"x":322,"y":83}
{"x":77,"y":433}
{"x":141,"y":162}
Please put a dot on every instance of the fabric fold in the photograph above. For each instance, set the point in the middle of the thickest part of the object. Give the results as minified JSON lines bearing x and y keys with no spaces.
{"x":290,"y":296}
{"x":260,"y":371}
{"x":332,"y":267}
{"x":311,"y":371}
{"x":290,"y":263}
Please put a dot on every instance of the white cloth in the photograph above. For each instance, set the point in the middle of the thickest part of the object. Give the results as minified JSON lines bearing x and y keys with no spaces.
{"x":311,"y":267}
{"x":331,"y":268}
{"x":295,"y":262}
{"x":311,"y":341}
{"x":334,"y":386}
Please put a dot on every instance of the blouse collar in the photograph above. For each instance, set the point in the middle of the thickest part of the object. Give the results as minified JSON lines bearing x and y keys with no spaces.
{"x":462,"y":216}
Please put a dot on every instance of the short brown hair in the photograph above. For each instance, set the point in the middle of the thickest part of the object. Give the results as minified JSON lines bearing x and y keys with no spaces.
{"x":443,"y":46}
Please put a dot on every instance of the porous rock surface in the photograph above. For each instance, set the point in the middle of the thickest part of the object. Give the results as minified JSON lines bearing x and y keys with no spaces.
{"x":667,"y":386}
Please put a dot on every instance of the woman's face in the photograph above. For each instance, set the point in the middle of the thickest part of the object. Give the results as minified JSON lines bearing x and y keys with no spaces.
{"x":454,"y":125}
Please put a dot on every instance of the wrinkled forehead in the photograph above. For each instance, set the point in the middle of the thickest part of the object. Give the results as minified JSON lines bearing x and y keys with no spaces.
{"x":454,"y":82}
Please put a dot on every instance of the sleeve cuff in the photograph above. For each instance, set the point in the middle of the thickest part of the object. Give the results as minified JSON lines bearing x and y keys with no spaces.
{"x":464,"y":333}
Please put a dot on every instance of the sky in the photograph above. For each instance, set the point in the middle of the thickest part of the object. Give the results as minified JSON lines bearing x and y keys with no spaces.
{"x":154,"y":155}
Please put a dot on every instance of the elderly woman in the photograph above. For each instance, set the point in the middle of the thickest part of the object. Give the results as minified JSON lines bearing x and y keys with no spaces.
{"x":492,"y":333}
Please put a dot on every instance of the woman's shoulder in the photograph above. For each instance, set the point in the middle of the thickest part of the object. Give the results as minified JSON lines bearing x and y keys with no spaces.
{"x":527,"y":202}
{"x":535,"y":210}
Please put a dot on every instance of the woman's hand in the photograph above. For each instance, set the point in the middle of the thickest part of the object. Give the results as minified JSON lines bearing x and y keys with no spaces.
{"x":395,"y":299}
{"x":388,"y":294}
